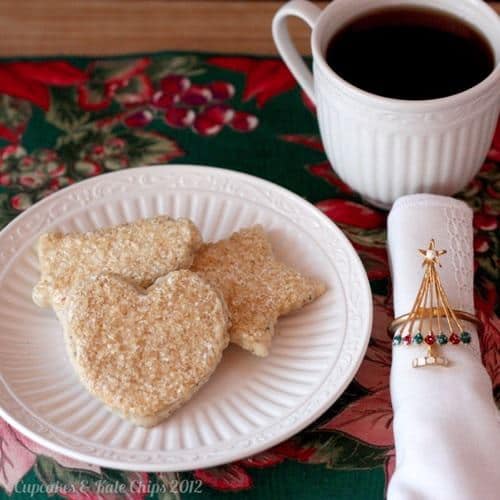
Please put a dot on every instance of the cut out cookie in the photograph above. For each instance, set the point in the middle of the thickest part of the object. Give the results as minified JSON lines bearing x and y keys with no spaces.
{"x":145,"y":352}
{"x":256,"y":286}
{"x":140,"y":251}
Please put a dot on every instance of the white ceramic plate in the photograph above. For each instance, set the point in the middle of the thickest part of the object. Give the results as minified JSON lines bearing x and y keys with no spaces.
{"x":250,"y":403}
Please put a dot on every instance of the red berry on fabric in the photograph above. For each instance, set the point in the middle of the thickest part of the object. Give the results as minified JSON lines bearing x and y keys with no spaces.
{"x":175,"y":84}
{"x":481,"y":243}
{"x":27,"y":181}
{"x":33,"y":180}
{"x":97,"y":150}
{"x":179,"y":117}
{"x":221,"y":90}
{"x":164,"y":101}
{"x":5,"y":179}
{"x":20,"y":201}
{"x":139,"y":118}
{"x":87,"y":168}
{"x":54,"y":169}
{"x":204,"y":125}
{"x":218,"y":113}
{"x":243,"y":122}
{"x":454,"y":339}
{"x":430,"y":338}
{"x":485,"y":222}
{"x":26,"y":163}
{"x":197,"y":95}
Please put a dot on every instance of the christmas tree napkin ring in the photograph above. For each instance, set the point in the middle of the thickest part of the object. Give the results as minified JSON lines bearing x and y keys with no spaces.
{"x":431,"y":307}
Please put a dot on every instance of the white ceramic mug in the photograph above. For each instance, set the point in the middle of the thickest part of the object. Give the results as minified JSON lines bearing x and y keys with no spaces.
{"x":382,"y":147}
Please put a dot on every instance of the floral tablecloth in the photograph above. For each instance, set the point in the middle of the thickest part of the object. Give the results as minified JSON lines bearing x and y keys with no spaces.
{"x":64,"y":120}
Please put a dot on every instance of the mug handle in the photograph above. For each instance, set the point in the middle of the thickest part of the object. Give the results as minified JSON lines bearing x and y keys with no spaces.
{"x":309,"y":13}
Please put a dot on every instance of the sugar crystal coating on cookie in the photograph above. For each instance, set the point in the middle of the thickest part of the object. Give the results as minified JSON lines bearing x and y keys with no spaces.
{"x":140,"y":251}
{"x":145,"y":352}
{"x":256,"y":286}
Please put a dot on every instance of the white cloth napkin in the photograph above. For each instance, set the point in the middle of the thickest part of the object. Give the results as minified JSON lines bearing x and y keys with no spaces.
{"x":446,"y":425}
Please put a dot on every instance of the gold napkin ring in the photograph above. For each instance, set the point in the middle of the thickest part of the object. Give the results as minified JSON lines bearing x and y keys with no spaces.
{"x":432,"y":306}
{"x":435,"y":311}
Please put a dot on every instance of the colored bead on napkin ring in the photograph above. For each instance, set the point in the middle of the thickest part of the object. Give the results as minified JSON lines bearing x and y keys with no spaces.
{"x":431,"y":292}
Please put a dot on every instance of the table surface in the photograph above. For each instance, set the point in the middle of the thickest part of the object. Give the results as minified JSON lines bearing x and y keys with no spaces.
{"x":104,"y":27}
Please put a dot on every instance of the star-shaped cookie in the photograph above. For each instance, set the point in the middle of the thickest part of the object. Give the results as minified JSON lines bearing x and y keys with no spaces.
{"x":256,"y":286}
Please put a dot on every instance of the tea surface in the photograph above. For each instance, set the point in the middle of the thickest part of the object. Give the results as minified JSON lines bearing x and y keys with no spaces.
{"x":410,"y":53}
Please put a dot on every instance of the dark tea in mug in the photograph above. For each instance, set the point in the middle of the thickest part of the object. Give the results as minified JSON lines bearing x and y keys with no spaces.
{"x":410,"y":53}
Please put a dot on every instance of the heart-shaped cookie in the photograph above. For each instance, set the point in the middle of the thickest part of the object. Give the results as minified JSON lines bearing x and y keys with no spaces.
{"x":145,"y":352}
